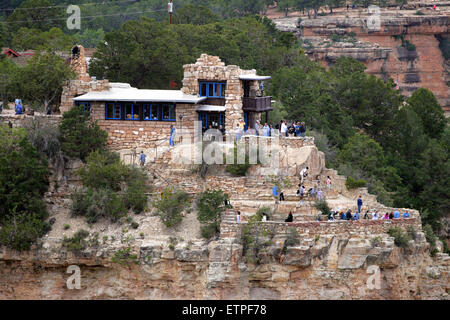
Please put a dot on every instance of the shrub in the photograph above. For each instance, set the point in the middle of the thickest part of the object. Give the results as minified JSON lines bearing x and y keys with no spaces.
{"x":103,"y":170}
{"x":170,"y":206}
{"x":410,"y":46}
{"x":210,"y":230}
{"x":124,"y":257}
{"x":20,"y":230}
{"x":95,"y":204}
{"x":66,"y":226}
{"x":412,"y":232}
{"x":322,"y":206}
{"x":254,"y":236}
{"x":352,"y":183}
{"x":419,"y":13}
{"x":262,"y":210}
{"x":210,"y":206}
{"x":401,"y":238}
{"x":238,"y":169}
{"x":44,"y":136}
{"x":431,"y":238}
{"x":136,"y":193}
{"x":77,"y":242}
{"x":292,"y":237}
{"x":79,"y":135}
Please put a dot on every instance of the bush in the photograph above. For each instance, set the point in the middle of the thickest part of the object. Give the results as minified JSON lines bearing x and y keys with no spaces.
{"x":210,"y":230}
{"x":419,"y":13}
{"x":238,"y":169}
{"x":254,"y":236}
{"x":124,"y":257}
{"x":136,"y":193}
{"x":410,"y":46}
{"x":79,"y":135}
{"x":322,"y":206}
{"x":431,"y":237}
{"x":262,"y":210}
{"x":23,"y":183}
{"x":104,"y":170}
{"x":401,"y":238}
{"x":352,"y":183}
{"x":44,"y":136}
{"x":96,"y":204}
{"x":210,"y":206}
{"x":77,"y":242}
{"x":20,"y":230}
{"x":292,"y":237}
{"x":171,"y":205}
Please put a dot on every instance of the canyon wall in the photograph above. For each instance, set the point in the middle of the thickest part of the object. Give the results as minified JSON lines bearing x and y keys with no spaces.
{"x":404,"y":48}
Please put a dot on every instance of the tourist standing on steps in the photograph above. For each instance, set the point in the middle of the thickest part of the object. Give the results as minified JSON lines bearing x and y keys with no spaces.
{"x":301,"y":192}
{"x":172,"y":136}
{"x":319,"y":194}
{"x":328,"y":183}
{"x":264,"y":217}
{"x":303,"y":174}
{"x":360,"y":203}
{"x":257,"y":127}
{"x":238,"y":217}
{"x":142,"y":158}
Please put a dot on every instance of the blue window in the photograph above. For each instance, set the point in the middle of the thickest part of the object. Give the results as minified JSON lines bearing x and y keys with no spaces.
{"x":212,"y":89}
{"x":151,"y":112}
{"x":113,"y":111}
{"x":168,"y":112}
{"x":132,"y":112}
{"x":86,"y":106}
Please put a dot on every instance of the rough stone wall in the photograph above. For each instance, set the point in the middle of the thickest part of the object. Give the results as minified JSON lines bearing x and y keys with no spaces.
{"x":211,"y":68}
{"x":142,"y":135}
{"x":20,"y":120}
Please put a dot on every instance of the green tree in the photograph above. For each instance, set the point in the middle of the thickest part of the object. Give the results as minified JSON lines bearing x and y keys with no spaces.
{"x":79,"y":135}
{"x":285,"y":6}
{"x":90,"y":38}
{"x":333,"y":4}
{"x":53,"y":40}
{"x":426,"y":106}
{"x":211,"y":206}
{"x":196,"y":15}
{"x":40,"y":81}
{"x":23,"y":182}
{"x":39,"y":14}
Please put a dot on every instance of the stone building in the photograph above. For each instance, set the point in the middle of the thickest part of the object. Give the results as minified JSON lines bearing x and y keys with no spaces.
{"x":213,"y":93}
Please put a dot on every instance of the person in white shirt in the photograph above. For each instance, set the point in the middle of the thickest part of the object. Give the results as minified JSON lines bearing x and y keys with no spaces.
{"x":284,"y":129}
{"x":303,"y":174}
{"x":238,"y":217}
{"x":264,"y":217}
{"x":375,"y":216}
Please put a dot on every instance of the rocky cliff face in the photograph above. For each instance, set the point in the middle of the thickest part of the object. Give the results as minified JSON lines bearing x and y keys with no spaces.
{"x":328,"y":260}
{"x":405,"y":47}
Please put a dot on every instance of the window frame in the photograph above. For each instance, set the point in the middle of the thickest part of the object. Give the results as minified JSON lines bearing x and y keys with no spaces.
{"x":151,"y":106}
{"x":114,"y":106}
{"x":171,"y":111}
{"x":215,"y":84}
{"x":133,"y":106}
{"x":87,"y":106}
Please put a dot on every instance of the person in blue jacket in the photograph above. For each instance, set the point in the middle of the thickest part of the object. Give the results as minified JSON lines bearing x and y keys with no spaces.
{"x":172,"y":135}
{"x":19,"y":107}
{"x":360,"y":203}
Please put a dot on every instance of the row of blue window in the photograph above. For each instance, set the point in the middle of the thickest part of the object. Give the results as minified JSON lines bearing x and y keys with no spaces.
{"x":138,"y":112}
{"x":86,"y":106}
{"x":212,"y":89}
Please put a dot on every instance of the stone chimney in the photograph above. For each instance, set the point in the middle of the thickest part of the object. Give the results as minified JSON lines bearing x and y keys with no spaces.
{"x":78,"y":63}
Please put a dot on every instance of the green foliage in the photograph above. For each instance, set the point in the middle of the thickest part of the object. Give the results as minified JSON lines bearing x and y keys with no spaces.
{"x":210,"y":207}
{"x":40,"y":81}
{"x":20,"y":230}
{"x":425,"y":105}
{"x":66,"y":226}
{"x":323,"y":207}
{"x":79,"y":135}
{"x":44,"y":136}
{"x":430,"y":236}
{"x":254,"y":237}
{"x":170,"y":206}
{"x":53,"y":40}
{"x":90,"y":38}
{"x":419,"y":13}
{"x":124,"y":257}
{"x":195,"y":15}
{"x":237,"y":169}
{"x":39,"y":14}
{"x":444,"y":45}
{"x":352,"y":183}
{"x":77,"y":242}
{"x":98,"y":203}
{"x":23,"y":175}
{"x":292,"y":238}
{"x":103,"y":170}
{"x":136,"y":192}
{"x":401,"y":238}
{"x":262,"y":210}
